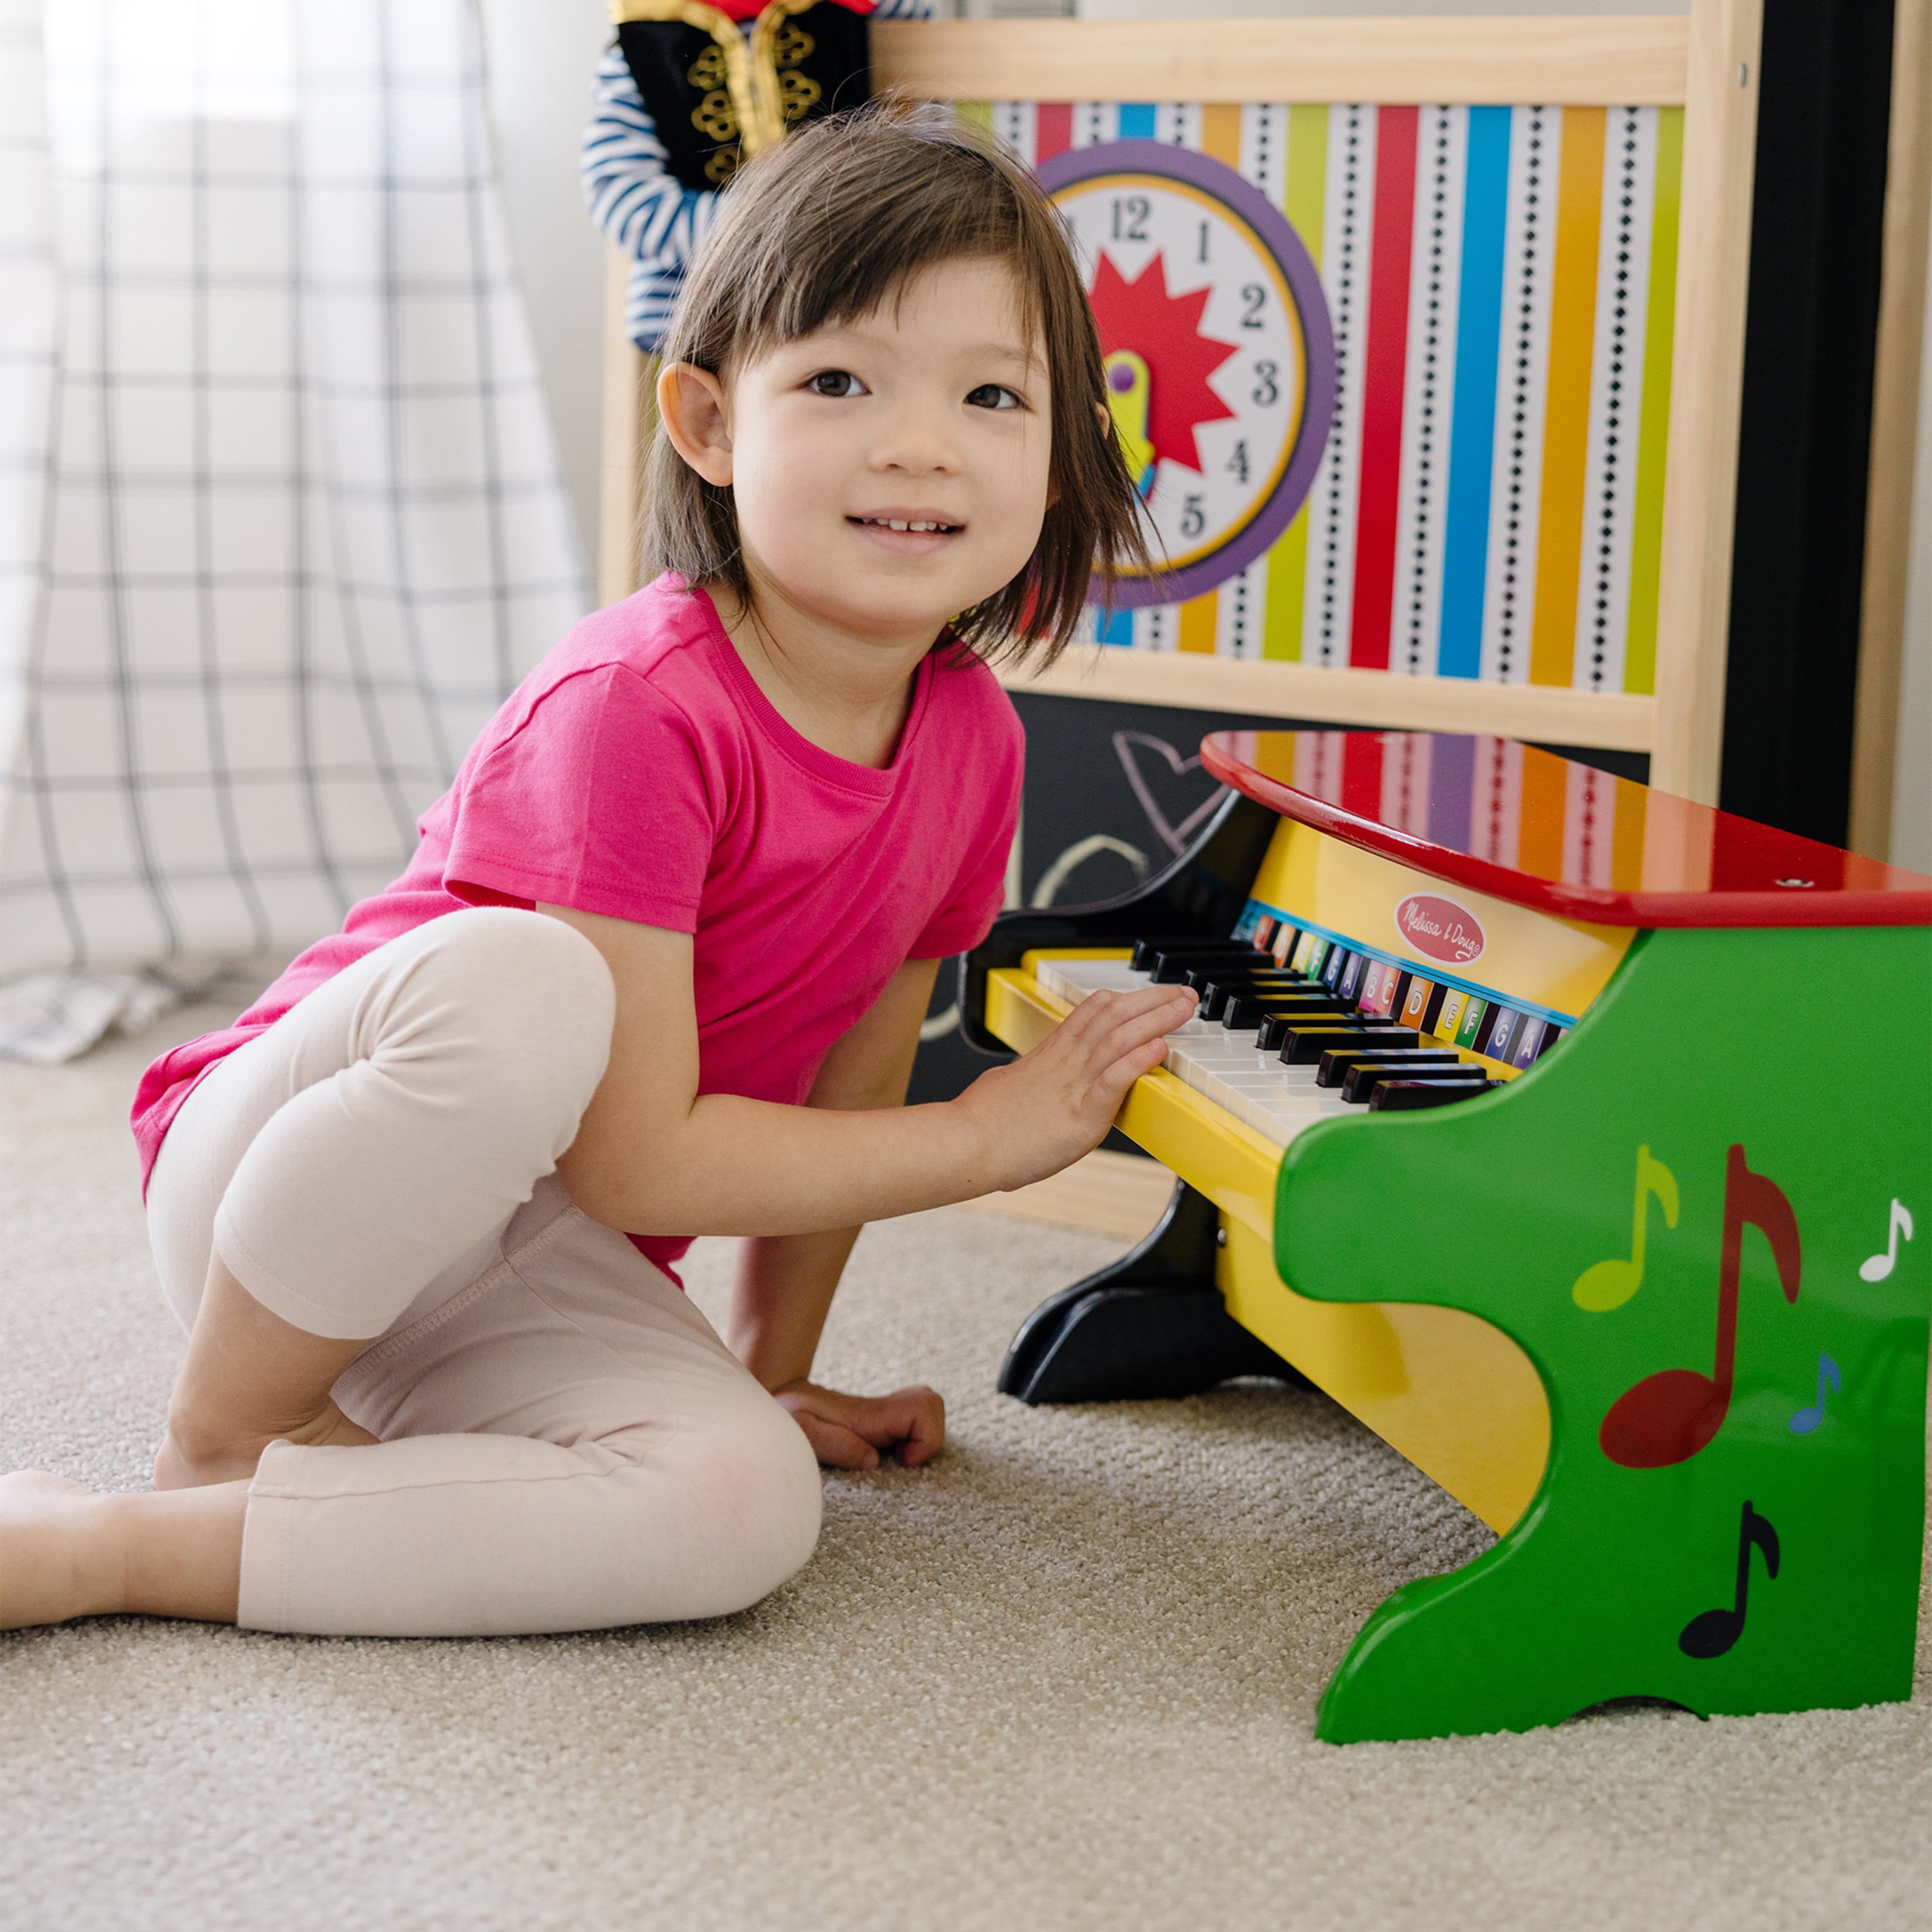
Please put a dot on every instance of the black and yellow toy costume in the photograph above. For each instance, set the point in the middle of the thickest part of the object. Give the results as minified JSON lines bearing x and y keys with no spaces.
{"x":717,"y":94}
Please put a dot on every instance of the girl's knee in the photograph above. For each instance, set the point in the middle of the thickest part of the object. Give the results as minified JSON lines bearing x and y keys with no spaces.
{"x":504,"y":951}
{"x":749,"y":1502}
{"x":526,"y":984}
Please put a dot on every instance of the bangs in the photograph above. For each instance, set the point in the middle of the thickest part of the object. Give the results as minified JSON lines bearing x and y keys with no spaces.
{"x":834,"y":224}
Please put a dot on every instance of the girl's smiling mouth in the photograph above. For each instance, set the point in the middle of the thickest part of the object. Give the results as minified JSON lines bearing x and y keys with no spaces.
{"x":911,"y":524}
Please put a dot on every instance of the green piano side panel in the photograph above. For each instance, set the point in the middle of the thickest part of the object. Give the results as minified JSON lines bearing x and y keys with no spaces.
{"x":1781,"y":1082}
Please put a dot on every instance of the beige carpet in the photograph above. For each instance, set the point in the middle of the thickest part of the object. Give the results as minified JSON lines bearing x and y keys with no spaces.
{"x":1067,"y":1677}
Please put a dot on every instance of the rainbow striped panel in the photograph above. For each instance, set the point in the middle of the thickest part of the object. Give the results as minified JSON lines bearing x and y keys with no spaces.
{"x":1581,"y":826}
{"x":1500,"y":280}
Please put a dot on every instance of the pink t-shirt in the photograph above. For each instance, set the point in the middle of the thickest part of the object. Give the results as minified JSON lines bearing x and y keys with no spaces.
{"x":639,"y":772}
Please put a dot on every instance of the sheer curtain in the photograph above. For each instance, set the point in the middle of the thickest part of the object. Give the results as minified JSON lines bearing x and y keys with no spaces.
{"x":280,"y":521}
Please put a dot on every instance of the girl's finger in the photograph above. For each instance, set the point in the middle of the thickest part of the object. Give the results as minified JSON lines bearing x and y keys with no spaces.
{"x":1099,"y":1011}
{"x":836,"y":1447}
{"x":1135,"y":1032}
{"x":1122,"y":1073}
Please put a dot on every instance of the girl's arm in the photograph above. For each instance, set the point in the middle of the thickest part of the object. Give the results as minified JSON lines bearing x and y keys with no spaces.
{"x":785,"y":1282}
{"x":652,"y":1156}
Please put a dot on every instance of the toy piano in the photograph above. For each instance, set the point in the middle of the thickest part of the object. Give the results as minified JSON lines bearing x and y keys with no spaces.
{"x":1578,"y":1139}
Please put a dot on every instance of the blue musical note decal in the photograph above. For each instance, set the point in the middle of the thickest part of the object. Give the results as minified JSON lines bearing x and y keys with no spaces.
{"x":1807,"y":1420}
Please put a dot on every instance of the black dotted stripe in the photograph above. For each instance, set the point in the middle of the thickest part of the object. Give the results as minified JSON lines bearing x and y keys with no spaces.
{"x":1416,"y":617}
{"x":1347,"y":249}
{"x":1511,"y":618}
{"x":1612,"y":479}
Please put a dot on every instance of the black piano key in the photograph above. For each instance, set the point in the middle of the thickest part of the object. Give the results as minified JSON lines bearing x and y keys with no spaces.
{"x":1237,"y":976}
{"x":1335,"y":965}
{"x":1431,"y":1013}
{"x":1360,"y":1080}
{"x":1338,"y":1062}
{"x":1198,"y":974}
{"x":1503,"y":1024}
{"x":1403,"y":1096}
{"x":1260,"y":985}
{"x":1528,"y":1040}
{"x":1218,"y":994}
{"x":1144,"y":950}
{"x":1167,"y":967}
{"x":1349,"y":985}
{"x":1303,"y":1046}
{"x":1248,"y":1011}
{"x":1280,"y":1022}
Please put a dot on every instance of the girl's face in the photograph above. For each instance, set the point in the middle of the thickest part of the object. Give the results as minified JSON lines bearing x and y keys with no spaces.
{"x":889,"y":472}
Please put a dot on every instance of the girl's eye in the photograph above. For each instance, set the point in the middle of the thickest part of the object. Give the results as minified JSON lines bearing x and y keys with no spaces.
{"x":836,"y":382}
{"x":992,"y":396}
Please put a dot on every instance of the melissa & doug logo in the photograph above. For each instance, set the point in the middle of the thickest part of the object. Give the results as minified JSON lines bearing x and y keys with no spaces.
{"x":1440,"y":929}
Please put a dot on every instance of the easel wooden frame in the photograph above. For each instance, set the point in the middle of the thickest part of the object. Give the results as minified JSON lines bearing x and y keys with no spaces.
{"x":1707,"y":64}
{"x":1896,"y":402}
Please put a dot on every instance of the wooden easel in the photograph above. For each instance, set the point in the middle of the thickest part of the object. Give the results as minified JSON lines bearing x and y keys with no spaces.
{"x":1704,"y":64}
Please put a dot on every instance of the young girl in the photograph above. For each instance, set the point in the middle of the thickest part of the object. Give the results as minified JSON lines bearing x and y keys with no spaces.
{"x":657,"y":970}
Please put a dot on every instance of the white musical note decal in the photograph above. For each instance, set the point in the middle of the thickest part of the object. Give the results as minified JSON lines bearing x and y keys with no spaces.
{"x":1879,"y":1266}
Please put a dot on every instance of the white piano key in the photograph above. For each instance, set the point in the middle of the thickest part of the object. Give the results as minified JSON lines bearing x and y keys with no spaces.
{"x":1227,"y":1069}
{"x":1083,"y":976}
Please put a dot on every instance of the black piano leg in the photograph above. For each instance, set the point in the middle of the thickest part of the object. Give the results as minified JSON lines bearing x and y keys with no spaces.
{"x":1153,"y":1325}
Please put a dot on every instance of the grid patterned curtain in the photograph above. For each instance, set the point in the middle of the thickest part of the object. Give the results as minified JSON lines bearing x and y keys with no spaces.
{"x":281,"y":521}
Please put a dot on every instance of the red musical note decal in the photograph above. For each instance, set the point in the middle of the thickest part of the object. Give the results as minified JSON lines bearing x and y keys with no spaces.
{"x":1667,"y":1418}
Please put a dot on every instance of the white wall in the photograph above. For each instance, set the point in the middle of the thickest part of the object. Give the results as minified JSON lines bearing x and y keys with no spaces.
{"x":541,"y":56}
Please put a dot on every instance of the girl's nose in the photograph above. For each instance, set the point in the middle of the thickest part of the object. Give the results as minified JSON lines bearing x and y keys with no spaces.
{"x":917,"y":441}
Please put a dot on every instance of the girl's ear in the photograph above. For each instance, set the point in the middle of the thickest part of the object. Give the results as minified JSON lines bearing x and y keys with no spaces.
{"x":691,"y":406}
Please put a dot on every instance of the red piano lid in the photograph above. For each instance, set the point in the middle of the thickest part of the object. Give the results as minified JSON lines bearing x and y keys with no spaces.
{"x":1544,"y":832}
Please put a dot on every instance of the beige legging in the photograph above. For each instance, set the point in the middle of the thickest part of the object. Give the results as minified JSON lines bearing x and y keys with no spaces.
{"x":566,"y":1443}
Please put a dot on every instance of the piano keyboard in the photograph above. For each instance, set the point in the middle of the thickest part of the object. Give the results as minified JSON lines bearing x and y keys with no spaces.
{"x":1239,"y":1061}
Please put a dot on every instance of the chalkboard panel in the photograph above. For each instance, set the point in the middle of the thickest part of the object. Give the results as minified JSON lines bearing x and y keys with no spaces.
{"x":1113,"y":792}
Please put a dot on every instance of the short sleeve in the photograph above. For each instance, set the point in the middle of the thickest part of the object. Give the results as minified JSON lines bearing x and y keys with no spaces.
{"x":979,"y":890}
{"x":596,"y":800}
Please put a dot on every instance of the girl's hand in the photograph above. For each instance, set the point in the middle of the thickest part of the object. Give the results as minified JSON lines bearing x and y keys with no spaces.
{"x":853,"y":1431}
{"x":1056,"y":1103}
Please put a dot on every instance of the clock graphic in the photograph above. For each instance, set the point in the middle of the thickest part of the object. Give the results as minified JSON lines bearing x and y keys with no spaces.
{"x":1219,"y":356}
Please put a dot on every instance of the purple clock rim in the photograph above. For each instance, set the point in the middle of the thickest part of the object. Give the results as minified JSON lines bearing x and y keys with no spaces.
{"x":1073,"y":166}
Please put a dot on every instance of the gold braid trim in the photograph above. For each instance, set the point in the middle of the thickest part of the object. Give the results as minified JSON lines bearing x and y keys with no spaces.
{"x":752,"y":76}
{"x":771,"y":23}
{"x":744,"y":90}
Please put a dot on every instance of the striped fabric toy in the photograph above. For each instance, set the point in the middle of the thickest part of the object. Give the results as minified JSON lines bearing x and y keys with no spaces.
{"x":640,"y":204}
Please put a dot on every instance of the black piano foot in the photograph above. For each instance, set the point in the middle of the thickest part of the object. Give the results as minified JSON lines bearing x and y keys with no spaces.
{"x":1151,"y":1326}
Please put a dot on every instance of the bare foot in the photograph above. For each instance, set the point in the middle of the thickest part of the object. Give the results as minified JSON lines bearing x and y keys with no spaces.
{"x":193,"y":1455}
{"x":57,"y":1550}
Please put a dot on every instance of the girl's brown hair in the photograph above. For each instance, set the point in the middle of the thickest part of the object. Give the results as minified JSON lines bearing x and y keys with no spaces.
{"x":823,"y":229}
